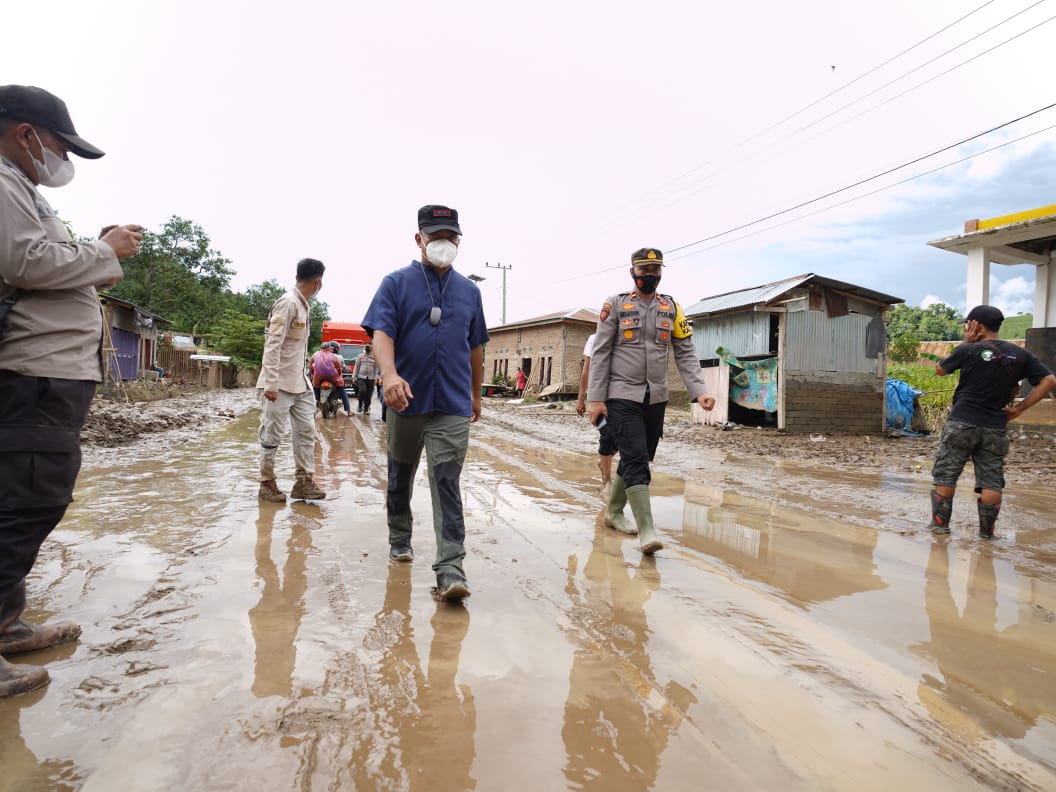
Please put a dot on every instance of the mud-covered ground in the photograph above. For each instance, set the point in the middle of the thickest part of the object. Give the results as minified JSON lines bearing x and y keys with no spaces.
{"x":1031,"y":456}
{"x":800,"y":630}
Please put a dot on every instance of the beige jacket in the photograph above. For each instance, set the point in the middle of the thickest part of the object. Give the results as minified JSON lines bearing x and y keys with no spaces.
{"x":631,"y":349}
{"x":286,"y":345}
{"x":56,"y":329}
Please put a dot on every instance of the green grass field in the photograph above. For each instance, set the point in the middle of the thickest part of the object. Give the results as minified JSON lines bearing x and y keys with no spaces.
{"x":938,"y":391}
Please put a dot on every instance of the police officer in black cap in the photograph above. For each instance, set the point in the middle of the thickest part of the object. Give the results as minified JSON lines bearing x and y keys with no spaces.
{"x":637,"y":332}
{"x":976,"y":427}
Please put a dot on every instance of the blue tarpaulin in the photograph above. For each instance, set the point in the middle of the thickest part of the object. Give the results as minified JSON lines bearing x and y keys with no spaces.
{"x":900,"y":398}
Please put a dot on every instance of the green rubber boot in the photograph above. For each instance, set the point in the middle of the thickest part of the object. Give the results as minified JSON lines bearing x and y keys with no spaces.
{"x":614,"y":511}
{"x":643,"y":515}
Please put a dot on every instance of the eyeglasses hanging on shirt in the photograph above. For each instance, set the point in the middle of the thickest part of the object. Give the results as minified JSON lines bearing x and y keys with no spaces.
{"x":437,"y":310}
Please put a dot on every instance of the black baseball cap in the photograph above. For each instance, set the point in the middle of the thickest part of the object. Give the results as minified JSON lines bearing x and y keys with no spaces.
{"x":647,"y":256}
{"x":33,"y":105}
{"x":438,"y":218}
{"x":986,"y":315}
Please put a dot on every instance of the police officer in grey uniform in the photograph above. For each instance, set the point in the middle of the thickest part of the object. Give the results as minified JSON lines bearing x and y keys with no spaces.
{"x":637,"y":330}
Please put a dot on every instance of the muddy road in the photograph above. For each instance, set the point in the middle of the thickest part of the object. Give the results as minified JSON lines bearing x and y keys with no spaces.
{"x":799,"y":632}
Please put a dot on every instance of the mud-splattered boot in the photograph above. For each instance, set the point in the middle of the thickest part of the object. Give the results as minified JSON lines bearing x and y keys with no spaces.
{"x":987,"y":518}
{"x":17,"y":679}
{"x":18,"y":636}
{"x":941,"y":509}
{"x":614,"y":511}
{"x":305,"y":488}
{"x":638,"y":496}
{"x":270,"y":492}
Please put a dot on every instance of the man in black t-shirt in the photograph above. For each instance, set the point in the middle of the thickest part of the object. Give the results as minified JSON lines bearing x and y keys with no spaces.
{"x":976,"y":427}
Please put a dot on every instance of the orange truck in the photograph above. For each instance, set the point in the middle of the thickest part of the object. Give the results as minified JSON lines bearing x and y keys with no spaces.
{"x":351,"y":337}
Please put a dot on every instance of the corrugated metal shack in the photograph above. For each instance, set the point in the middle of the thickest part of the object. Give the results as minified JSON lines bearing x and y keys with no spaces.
{"x":803,"y":354}
{"x":130,"y":339}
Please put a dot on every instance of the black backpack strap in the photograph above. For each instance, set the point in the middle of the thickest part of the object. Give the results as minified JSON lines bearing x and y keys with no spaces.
{"x":1004,"y":360}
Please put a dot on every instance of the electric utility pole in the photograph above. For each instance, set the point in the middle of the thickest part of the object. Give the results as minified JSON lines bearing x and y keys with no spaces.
{"x":504,"y":268}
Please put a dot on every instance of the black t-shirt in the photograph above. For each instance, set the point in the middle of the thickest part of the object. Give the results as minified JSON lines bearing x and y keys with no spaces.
{"x":987,"y":378}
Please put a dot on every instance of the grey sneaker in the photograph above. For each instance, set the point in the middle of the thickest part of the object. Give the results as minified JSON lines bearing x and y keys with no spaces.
{"x":306,"y":489}
{"x":270,"y":492}
{"x":402,"y":553}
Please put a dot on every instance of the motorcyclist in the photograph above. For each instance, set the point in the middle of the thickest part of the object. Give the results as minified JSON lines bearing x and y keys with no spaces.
{"x":326,"y":366}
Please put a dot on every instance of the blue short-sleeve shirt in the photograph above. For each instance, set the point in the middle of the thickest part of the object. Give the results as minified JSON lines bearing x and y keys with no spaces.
{"x":433,"y":360}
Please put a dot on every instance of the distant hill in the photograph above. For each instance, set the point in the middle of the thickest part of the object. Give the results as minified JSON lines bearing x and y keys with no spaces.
{"x":1016,"y":326}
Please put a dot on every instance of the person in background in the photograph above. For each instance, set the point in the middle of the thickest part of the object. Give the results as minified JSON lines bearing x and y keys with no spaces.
{"x":427,"y":323}
{"x":51,"y":331}
{"x":522,"y":382}
{"x":365,"y":373}
{"x":326,"y":365}
{"x":286,"y":395}
{"x":381,"y":397}
{"x":976,"y":428}
{"x":637,"y":332}
{"x":606,"y":444}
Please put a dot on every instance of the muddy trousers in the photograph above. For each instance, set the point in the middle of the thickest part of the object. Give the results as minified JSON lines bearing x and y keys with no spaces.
{"x":297,"y":409}
{"x":364,"y":392}
{"x":636,"y":429}
{"x":40,"y":429}
{"x":445,"y":439}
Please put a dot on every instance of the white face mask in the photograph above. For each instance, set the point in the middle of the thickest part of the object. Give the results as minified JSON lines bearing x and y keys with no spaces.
{"x":54,"y":171}
{"x":441,"y":252}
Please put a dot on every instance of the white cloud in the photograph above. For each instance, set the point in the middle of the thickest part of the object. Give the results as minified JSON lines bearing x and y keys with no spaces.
{"x":930,"y":300}
{"x":1015,"y":295}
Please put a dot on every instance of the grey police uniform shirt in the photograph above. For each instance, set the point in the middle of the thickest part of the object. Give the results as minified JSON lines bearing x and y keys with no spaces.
{"x":56,"y":329}
{"x":631,"y":348}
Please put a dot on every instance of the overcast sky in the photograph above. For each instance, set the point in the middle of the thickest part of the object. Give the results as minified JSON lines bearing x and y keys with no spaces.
{"x":567,"y":134}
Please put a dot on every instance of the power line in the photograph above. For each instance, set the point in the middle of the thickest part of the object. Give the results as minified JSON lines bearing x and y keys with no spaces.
{"x":871,"y":192}
{"x":866,"y":111}
{"x":872,"y":178}
{"x":844,"y":107}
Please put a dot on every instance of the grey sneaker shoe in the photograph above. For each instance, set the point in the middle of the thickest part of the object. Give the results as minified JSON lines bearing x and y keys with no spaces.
{"x":402,"y":553}
{"x":450,"y":587}
{"x":270,"y":492}
{"x":306,"y":489}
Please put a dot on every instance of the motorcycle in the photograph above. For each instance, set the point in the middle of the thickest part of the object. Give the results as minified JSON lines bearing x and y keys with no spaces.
{"x":329,"y":399}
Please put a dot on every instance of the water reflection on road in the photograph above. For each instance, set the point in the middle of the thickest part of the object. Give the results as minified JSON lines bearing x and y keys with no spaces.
{"x":233,"y":644}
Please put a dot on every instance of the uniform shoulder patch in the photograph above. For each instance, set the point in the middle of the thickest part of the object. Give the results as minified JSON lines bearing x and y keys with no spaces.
{"x":683,"y":329}
{"x":606,"y":309}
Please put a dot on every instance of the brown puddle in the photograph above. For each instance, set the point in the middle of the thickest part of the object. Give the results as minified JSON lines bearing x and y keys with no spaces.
{"x":231,"y":645}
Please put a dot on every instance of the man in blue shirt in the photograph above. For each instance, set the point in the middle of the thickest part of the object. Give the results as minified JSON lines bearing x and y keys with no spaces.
{"x":427,"y":323}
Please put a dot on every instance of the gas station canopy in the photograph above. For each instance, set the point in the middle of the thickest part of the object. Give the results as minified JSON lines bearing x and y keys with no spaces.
{"x":1021,"y":238}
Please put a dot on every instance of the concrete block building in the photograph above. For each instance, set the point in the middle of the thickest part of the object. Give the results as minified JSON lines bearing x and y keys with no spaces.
{"x":548,"y":348}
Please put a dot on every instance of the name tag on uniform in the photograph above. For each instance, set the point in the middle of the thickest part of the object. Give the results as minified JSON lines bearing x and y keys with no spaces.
{"x":298,"y":325}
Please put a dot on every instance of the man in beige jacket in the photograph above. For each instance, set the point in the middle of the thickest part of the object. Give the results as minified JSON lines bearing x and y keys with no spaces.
{"x":286,"y":392}
{"x":51,"y":328}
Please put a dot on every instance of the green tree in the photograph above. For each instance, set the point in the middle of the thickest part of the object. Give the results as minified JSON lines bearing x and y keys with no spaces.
{"x":320,"y":314}
{"x":903,"y":349}
{"x":256,"y":300}
{"x":241,"y":336}
{"x":940,"y":322}
{"x":178,"y":275}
